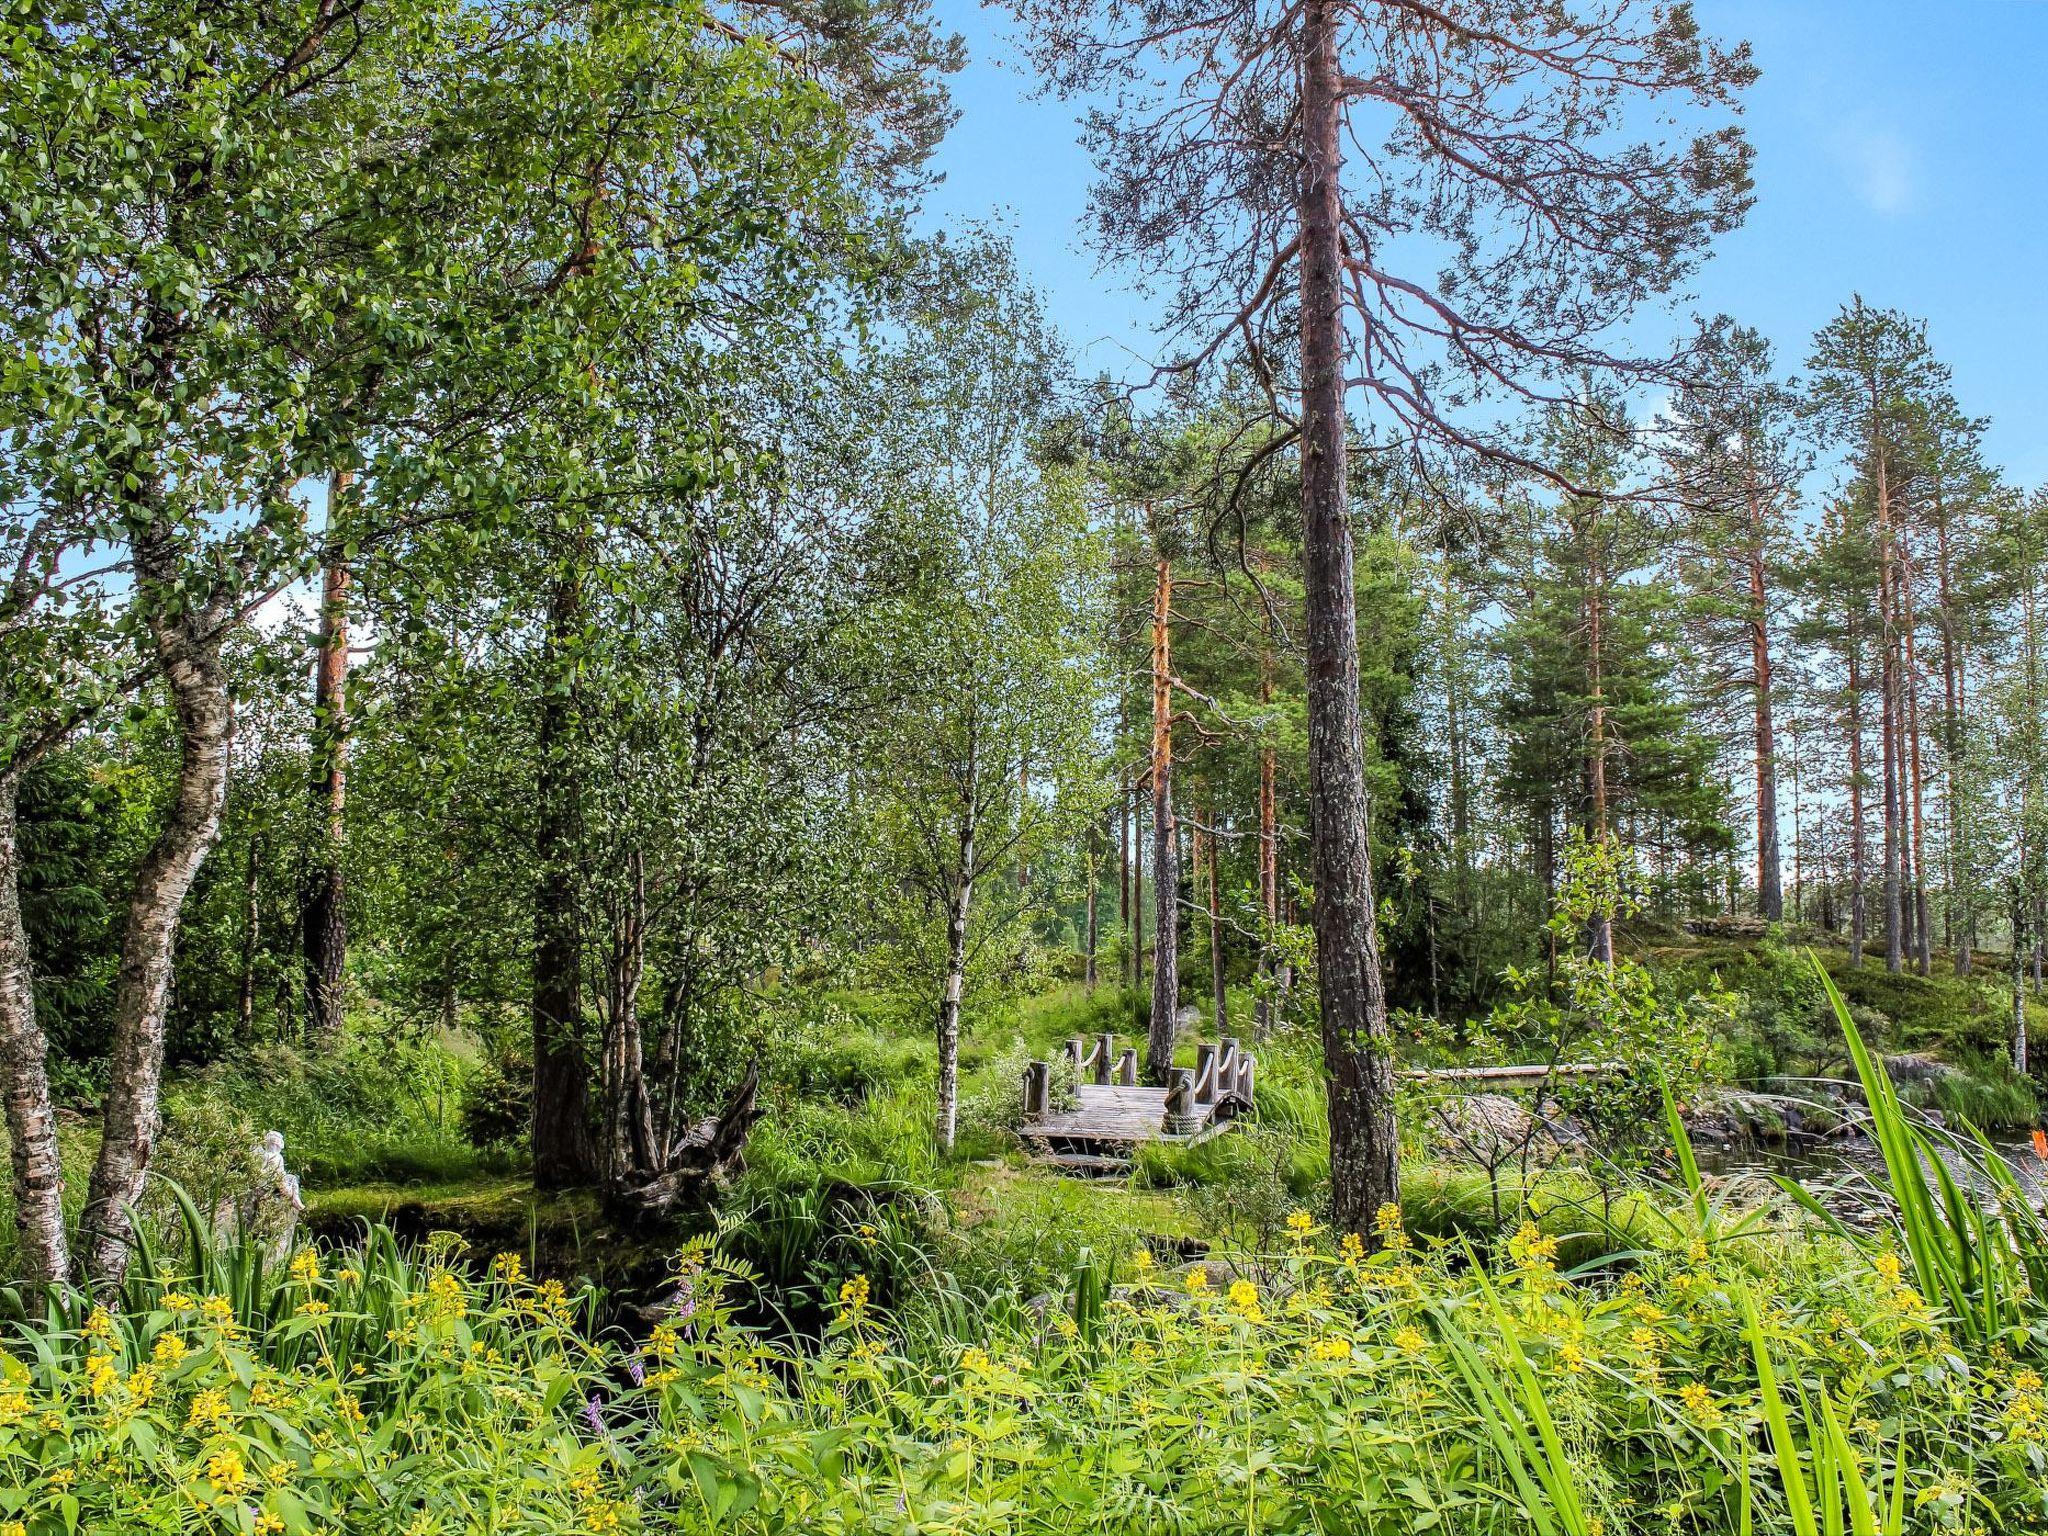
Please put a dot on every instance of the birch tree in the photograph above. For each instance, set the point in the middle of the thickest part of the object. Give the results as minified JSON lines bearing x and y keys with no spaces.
{"x":981,"y":754}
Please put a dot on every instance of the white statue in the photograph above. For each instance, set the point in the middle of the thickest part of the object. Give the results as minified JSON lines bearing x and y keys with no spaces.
{"x":268,"y":1210}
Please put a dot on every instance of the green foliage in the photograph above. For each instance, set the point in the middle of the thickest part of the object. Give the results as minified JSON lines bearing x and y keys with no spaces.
{"x":1732,"y":1382}
{"x":392,"y":1109}
{"x":1976,"y":1242}
{"x":1611,"y":1013}
{"x":71,"y":844}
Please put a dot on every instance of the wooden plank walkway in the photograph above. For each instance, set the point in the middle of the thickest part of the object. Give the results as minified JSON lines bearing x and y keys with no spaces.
{"x":1110,"y":1113}
{"x":1116,"y":1114}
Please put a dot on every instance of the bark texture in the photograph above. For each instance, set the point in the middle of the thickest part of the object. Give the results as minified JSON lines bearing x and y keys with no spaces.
{"x":1160,"y":1036}
{"x":957,"y":912}
{"x":1358,"y":1070}
{"x":324,"y":920}
{"x":44,"y":1250}
{"x":188,"y":656}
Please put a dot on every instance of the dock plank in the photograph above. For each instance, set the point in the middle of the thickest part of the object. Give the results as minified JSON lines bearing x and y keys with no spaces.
{"x":1114,"y":1113}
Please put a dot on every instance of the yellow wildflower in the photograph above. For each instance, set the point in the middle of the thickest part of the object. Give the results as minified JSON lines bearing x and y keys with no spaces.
{"x":1244,"y":1297}
{"x":1198,"y":1280}
{"x":208,"y":1408}
{"x":1352,"y":1250}
{"x":1330,"y":1349}
{"x":1141,"y":1260}
{"x":225,"y":1471}
{"x":1388,"y":1227}
{"x":13,"y":1406}
{"x":306,"y":1266}
{"x":1531,"y":1249}
{"x":1411,"y":1340}
{"x":444,"y":1295}
{"x":267,"y":1524}
{"x":1301,"y":1226}
{"x":142,"y":1384}
{"x":1699,"y":1402}
{"x":853,"y":1294}
{"x":170,"y":1349}
{"x":101,"y":1375}
{"x":176,"y":1301}
{"x":506,"y":1267}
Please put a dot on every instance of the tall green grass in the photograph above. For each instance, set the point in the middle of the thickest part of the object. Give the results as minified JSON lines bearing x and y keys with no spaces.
{"x":1978,"y":1247}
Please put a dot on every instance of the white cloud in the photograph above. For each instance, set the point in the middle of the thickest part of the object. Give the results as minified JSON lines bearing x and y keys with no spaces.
{"x":1883,"y":168}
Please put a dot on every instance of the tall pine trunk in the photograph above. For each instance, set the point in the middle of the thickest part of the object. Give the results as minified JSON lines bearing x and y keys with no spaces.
{"x":1600,"y":931}
{"x":1357,"y":1065}
{"x":1859,"y":924}
{"x":1269,"y":840}
{"x":43,"y":1255}
{"x":1888,"y":709}
{"x":1915,"y":779}
{"x":1770,"y":893}
{"x":1137,"y":881}
{"x":1958,"y":894}
{"x":1160,"y":1035}
{"x":1218,"y":991}
{"x":323,"y":916}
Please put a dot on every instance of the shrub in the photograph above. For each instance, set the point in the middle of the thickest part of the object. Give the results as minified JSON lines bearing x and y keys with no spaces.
{"x":1737,"y":1380}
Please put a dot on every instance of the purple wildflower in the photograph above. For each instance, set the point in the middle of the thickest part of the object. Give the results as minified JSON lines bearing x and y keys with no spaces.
{"x":593,"y":1413}
{"x":636,"y":1370}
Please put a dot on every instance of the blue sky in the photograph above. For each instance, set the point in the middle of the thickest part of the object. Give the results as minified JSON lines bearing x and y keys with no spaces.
{"x":1902,"y":151}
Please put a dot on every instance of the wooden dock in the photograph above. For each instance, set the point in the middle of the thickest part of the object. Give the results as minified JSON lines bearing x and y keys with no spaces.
{"x":1110,"y":1114}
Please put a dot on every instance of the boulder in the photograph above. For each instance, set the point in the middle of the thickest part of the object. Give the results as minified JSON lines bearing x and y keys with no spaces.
{"x":1495,"y":1128}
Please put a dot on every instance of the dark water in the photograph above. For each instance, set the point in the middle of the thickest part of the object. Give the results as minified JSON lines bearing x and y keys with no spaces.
{"x":1847,"y":1175}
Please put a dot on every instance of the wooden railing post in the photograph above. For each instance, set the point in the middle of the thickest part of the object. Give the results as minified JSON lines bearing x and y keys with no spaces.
{"x":1077,"y":1054}
{"x":1182,"y":1118}
{"x":1205,"y":1074}
{"x":1105,"y":1049}
{"x":1037,"y":1089}
{"x":1127,"y":1068}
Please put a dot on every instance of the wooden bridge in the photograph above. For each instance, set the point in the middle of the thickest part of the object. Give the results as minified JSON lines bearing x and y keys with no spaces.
{"x":1112,"y":1114}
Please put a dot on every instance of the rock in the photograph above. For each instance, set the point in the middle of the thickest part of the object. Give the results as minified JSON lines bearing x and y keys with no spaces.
{"x":1494,"y":1128}
{"x":1919,"y":1067}
{"x":1731,"y":926}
